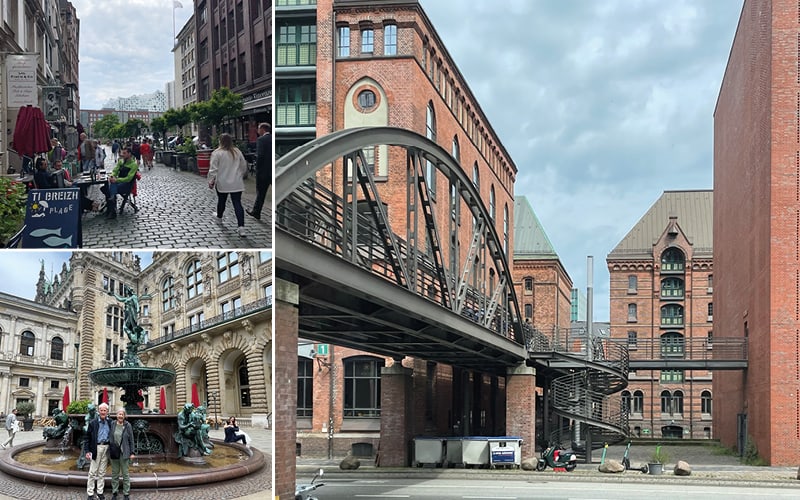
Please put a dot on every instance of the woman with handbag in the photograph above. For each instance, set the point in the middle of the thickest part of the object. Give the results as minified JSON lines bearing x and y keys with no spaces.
{"x":226,"y":174}
{"x":120,"y":451}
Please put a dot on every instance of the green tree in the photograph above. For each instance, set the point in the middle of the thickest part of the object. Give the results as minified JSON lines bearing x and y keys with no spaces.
{"x":133,"y":127}
{"x":222,"y":106}
{"x":177,"y":118}
{"x":103,"y":126}
{"x":159,"y":127}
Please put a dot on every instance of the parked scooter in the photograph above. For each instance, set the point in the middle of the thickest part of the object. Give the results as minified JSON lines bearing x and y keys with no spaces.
{"x":627,"y":463}
{"x":557,"y":457}
{"x":303,"y":491}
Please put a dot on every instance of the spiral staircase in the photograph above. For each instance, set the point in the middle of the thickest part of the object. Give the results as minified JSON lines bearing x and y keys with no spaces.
{"x":577,"y":374}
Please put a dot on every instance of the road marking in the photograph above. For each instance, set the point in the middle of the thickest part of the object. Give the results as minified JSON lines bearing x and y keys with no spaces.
{"x":493,"y":498}
{"x":383,"y":496}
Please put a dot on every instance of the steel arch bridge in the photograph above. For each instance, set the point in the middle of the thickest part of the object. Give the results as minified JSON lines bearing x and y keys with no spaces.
{"x":425,"y":280}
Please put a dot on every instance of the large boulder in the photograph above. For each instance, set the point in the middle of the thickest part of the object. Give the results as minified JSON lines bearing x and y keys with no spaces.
{"x":682,"y":469}
{"x":611,"y":466}
{"x":350,"y":463}
{"x":528,"y":464}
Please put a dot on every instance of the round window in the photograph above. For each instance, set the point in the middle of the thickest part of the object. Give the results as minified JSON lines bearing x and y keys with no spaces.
{"x":366,"y":100}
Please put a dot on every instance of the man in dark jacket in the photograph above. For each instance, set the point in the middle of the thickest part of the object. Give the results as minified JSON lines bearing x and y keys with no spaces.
{"x":263,"y":169}
{"x":95,"y":448}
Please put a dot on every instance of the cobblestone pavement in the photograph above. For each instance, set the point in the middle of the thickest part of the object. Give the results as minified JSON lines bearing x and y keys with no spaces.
{"x":177,"y":210}
{"x":256,"y":486}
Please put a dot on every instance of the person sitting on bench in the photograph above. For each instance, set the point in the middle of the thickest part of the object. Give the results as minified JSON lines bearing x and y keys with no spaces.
{"x":120,"y":181}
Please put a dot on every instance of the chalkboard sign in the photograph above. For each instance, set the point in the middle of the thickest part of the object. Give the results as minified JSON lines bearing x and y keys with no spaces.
{"x":53,"y":219}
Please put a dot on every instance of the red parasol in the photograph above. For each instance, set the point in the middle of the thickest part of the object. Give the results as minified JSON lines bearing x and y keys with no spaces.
{"x":195,"y":396}
{"x":31,"y":132}
{"x":141,"y":402}
{"x":65,"y":399}
{"x":105,"y":396}
{"x":162,"y":402}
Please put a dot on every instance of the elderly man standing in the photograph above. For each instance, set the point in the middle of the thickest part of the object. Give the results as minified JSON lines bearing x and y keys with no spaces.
{"x":263,"y":169}
{"x":12,"y":426}
{"x":96,"y":450}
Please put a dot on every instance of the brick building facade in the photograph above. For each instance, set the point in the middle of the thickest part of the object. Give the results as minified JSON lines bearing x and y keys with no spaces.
{"x":661,"y":305}
{"x":756,"y":232}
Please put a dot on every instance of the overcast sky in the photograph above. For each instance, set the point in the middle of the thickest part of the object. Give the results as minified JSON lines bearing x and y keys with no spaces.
{"x":126,"y":47}
{"x":20,"y":269}
{"x":602,"y":105}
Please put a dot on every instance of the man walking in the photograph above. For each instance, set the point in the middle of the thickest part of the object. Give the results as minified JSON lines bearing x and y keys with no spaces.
{"x":263,"y":169}
{"x":12,"y":427}
{"x":98,"y":434}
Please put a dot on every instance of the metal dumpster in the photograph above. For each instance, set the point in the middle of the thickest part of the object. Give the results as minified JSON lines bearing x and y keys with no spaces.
{"x":475,"y":450}
{"x":428,"y":450}
{"x":505,"y":451}
{"x":453,"y":452}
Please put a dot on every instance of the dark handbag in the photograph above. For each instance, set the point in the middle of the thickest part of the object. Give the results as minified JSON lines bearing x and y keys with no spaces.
{"x":113,"y":450}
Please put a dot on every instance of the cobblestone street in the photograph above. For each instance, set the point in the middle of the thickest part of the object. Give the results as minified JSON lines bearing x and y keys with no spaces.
{"x":177,"y":210}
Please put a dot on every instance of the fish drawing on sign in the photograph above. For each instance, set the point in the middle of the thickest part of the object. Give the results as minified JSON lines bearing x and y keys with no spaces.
{"x":55,"y":241}
{"x":41,"y":233}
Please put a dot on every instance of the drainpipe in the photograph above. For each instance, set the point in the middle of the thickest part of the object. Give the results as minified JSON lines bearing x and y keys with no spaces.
{"x":331,"y":375}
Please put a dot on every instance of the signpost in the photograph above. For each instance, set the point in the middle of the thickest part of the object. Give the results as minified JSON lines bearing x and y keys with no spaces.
{"x":53,"y":219}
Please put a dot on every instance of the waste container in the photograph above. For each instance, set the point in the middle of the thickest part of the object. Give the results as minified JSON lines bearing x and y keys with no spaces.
{"x":475,"y":451}
{"x":505,"y":451}
{"x":428,"y":450}
{"x":453,"y":452}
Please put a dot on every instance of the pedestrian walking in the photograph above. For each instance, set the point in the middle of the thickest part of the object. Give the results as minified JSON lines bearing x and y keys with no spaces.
{"x":226,"y":174}
{"x":121,"y":450}
{"x":263,"y":169}
{"x":115,"y":150}
{"x":86,"y":152}
{"x":95,"y":449}
{"x":12,"y":427}
{"x":99,"y":156}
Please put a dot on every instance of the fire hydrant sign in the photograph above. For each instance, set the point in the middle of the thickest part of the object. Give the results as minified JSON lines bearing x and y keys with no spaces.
{"x":53,"y":219}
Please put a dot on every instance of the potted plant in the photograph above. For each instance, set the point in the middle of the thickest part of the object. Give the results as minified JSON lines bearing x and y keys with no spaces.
{"x":25,"y":411}
{"x":657,"y":460}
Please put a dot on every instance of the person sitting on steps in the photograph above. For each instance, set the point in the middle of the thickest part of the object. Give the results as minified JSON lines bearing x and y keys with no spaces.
{"x":120,"y":181}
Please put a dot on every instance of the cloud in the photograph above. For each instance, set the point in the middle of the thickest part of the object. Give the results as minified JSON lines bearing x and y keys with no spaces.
{"x":602,"y":106}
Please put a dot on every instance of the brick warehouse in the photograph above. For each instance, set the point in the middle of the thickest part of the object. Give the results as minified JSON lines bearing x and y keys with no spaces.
{"x":757,"y":234}
{"x":350,"y":64}
{"x":661,"y":294}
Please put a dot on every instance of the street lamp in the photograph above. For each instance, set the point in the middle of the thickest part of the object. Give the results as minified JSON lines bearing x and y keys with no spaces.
{"x":213,"y":396}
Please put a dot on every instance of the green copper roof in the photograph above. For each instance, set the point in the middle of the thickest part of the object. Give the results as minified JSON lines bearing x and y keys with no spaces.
{"x":530,"y":240}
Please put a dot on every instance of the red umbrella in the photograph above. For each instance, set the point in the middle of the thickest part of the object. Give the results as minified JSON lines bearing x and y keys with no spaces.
{"x":105,"y":396}
{"x":65,"y":399}
{"x":141,"y":403}
{"x":195,"y":396}
{"x":162,"y":402}
{"x":41,"y":132}
{"x":31,"y":132}
{"x":21,"y":131}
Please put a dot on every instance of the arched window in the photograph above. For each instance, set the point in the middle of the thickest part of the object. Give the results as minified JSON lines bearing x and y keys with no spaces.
{"x":168,"y":294}
{"x":57,"y":349}
{"x":672,"y":315}
{"x":677,"y":403}
{"x":194,"y":280}
{"x":672,"y":260}
{"x":362,"y":386}
{"x":492,"y":202}
{"x":505,"y":230}
{"x":672,"y":288}
{"x":476,"y":176}
{"x":672,"y":345}
{"x":430,"y":133}
{"x":705,"y":402}
{"x":626,"y":401}
{"x":244,"y":385}
{"x":27,"y":343}
{"x":666,"y":402}
{"x":305,"y":387}
{"x":638,"y":402}
{"x":456,"y":150}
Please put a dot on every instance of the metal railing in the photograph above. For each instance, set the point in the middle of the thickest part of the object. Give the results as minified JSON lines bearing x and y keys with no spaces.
{"x":727,"y":349}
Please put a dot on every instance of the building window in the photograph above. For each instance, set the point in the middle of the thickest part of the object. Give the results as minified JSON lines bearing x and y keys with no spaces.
{"x":666,"y":402}
{"x":367,"y":41}
{"x":710,"y":311}
{"x":492,"y":203}
{"x":430,"y":133}
{"x":57,"y":349}
{"x":55,"y":384}
{"x":528,"y":311}
{"x":637,"y":402}
{"x":244,"y":385}
{"x":24,"y":382}
{"x":528,"y":285}
{"x":227,"y":266}
{"x":456,"y":150}
{"x":297,"y":105}
{"x":633,"y":339}
{"x":194,"y":280}
{"x":672,"y":315}
{"x":672,"y":288}
{"x":343,"y":39}
{"x":27,"y":342}
{"x":305,"y":387}
{"x":297,"y":46}
{"x":229,"y":307}
{"x":705,"y":402}
{"x":710,"y":283}
{"x":672,"y":260}
{"x":366,"y":100}
{"x":476,"y":177}
{"x":671,"y":376}
{"x":632,"y":284}
{"x":390,"y":39}
{"x":362,"y":387}
{"x":168,"y":299}
{"x":196,"y":321}
{"x":672,"y":345}
{"x":632,"y":313}
{"x":505,"y":231}
{"x":626,"y":401}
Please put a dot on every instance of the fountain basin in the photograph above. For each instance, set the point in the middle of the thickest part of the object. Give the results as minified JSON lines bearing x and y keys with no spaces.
{"x":132,"y":379}
{"x":247,"y":461}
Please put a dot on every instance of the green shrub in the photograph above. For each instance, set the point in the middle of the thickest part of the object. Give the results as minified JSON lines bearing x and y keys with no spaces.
{"x":13,"y":196}
{"x":26,"y":409}
{"x":80,"y":407}
{"x":750,"y":455}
